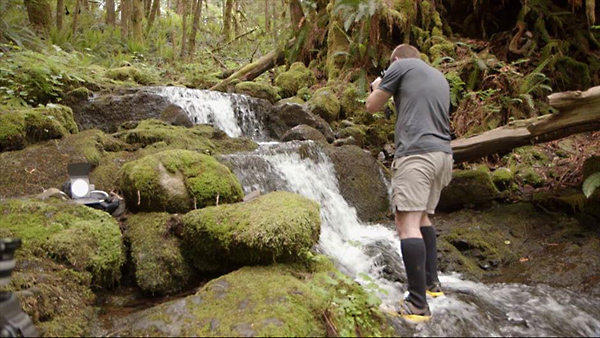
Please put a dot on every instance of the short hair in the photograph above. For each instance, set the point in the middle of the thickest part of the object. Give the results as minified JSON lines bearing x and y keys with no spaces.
{"x":405,"y":51}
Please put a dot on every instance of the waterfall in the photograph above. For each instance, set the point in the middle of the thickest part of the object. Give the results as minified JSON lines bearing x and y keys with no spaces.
{"x":231,"y":113}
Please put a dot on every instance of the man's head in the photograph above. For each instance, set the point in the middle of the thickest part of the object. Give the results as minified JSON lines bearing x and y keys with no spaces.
{"x":405,"y":51}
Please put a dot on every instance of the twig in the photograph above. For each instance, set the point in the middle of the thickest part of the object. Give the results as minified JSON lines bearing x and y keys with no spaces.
{"x":216,"y":59}
{"x":233,"y":40}
{"x":195,"y":204}
{"x":218,"y":195}
{"x":139,"y":198}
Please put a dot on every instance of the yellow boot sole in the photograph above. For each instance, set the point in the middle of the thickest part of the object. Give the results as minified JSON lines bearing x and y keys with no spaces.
{"x":435,"y":294}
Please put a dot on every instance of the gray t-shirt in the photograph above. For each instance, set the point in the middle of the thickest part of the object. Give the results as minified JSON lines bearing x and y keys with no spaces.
{"x":422,"y":97}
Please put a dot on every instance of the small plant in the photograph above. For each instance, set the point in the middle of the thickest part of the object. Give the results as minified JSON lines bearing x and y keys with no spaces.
{"x":591,"y":184}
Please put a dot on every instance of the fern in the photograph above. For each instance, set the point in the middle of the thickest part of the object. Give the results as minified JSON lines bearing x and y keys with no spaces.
{"x":591,"y":184}
{"x":355,"y":10}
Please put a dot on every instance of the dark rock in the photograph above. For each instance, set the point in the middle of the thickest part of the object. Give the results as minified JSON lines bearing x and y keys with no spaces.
{"x":361,"y":181}
{"x":288,"y":115}
{"x":468,"y":187}
{"x":176,"y":116}
{"x":303,"y":133}
{"x":348,"y":141}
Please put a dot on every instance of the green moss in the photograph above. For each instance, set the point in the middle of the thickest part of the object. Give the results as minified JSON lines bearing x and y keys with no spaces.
{"x":324,"y":103}
{"x":468,"y":187}
{"x":23,"y":126}
{"x":177,"y":181}
{"x":358,"y":132}
{"x":351,"y":102}
{"x":277,"y":227}
{"x":153,"y":249}
{"x":572,"y":74}
{"x":259,"y":90}
{"x":81,"y":238}
{"x":440,"y":50}
{"x":278,"y":300}
{"x":162,"y":136}
{"x":531,"y":177}
{"x":80,"y":93}
{"x":134,"y":74}
{"x":297,"y":77}
{"x":502,"y":178}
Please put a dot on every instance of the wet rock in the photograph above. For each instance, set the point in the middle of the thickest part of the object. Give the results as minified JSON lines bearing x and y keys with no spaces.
{"x":258,"y":90}
{"x":356,"y":132}
{"x":108,"y":111}
{"x":278,"y":300}
{"x":177,"y":181}
{"x":303,"y":133}
{"x":288,"y":115}
{"x":361,"y":181}
{"x":297,"y":77}
{"x":348,"y":141}
{"x":159,"y":265}
{"x":279,"y":227}
{"x":325,"y":104}
{"x":252,"y":196}
{"x":468,"y":187}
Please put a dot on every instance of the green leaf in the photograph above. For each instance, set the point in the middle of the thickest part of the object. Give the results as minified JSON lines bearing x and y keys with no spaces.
{"x":591,"y":184}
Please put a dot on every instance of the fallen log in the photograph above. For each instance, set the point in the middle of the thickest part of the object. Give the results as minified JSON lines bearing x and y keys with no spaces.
{"x":578,"y":112}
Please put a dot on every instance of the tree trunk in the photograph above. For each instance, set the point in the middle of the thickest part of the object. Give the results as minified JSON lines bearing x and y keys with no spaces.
{"x":40,"y":15}
{"x":76,"y":15}
{"x":227,"y":13}
{"x":296,"y":13}
{"x":267,"y":17}
{"x":275,"y":29}
{"x":147,"y":7}
{"x":125,"y":17}
{"x":183,"y":34}
{"x":578,"y":112}
{"x":197,"y":16}
{"x":137,"y":18}
{"x":85,"y":4}
{"x":60,"y":14}
{"x":153,"y":13}
{"x":110,"y":13}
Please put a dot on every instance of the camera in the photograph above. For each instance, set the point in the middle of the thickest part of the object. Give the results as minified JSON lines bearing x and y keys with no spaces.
{"x":13,"y":321}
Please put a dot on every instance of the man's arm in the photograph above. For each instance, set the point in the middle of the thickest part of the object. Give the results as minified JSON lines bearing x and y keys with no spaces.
{"x":377,"y":98}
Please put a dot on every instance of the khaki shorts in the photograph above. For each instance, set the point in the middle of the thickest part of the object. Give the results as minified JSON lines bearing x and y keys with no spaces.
{"x":418,"y":180}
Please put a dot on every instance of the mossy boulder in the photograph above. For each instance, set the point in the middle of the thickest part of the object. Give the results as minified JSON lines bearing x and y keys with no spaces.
{"x":357,"y":132}
{"x":468,"y":187}
{"x":83,"y":239}
{"x":258,"y":90}
{"x":297,"y":77}
{"x":278,"y":227}
{"x":130,"y":73}
{"x":177,"y":181}
{"x":350,"y":102}
{"x":20,"y":127}
{"x":361,"y":180}
{"x":46,"y":163}
{"x":288,"y":115}
{"x":273,"y":301}
{"x":155,"y":251}
{"x":203,"y":138}
{"x":303,"y":133}
{"x":503,"y":178}
{"x":324,"y":103}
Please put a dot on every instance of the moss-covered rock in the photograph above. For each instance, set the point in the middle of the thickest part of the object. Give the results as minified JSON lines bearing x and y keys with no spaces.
{"x":278,"y":300}
{"x":288,"y":115}
{"x":303,"y":133}
{"x":159,"y":265}
{"x":203,"y":138}
{"x":67,"y":250}
{"x":297,"y":77}
{"x":324,"y":103}
{"x":531,"y":177}
{"x":361,"y":181}
{"x":277,"y":227}
{"x":468,"y":187}
{"x":19,"y":127}
{"x":130,"y":73}
{"x":350,"y":102}
{"x":503,"y":178}
{"x":258,"y":90}
{"x":177,"y":181}
{"x":357,"y":132}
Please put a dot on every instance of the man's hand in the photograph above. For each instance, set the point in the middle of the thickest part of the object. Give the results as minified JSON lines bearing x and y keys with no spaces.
{"x":375,"y":84}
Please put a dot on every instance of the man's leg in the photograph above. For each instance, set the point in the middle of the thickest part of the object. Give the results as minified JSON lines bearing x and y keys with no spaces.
{"x":414,"y":255}
{"x":429,"y":238}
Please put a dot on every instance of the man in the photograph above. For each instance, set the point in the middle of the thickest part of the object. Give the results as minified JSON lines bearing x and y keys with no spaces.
{"x":422,"y":166}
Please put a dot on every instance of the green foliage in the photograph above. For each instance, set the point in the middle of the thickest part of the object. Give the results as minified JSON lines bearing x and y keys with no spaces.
{"x":591,"y":184}
{"x":355,"y":10}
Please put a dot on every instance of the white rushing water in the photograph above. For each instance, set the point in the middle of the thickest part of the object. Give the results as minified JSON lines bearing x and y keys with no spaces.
{"x":367,"y":252}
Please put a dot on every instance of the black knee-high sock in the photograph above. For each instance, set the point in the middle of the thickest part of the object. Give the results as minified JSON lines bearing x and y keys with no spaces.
{"x":431,"y":248}
{"x":413,"y":254}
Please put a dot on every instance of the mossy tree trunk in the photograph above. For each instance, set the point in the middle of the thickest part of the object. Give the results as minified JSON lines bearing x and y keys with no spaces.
{"x":267,"y":17}
{"x":60,"y":14}
{"x":296,"y":14}
{"x":184,"y":28}
{"x":125,"y":17}
{"x":154,"y":12}
{"x":110,"y":13}
{"x":40,"y":15}
{"x":227,"y":19}
{"x":196,"y":22}
{"x":76,"y":15}
{"x":137,"y":18}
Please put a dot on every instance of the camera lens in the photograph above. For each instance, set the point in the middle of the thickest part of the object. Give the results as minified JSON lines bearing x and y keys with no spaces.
{"x":8,"y":246}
